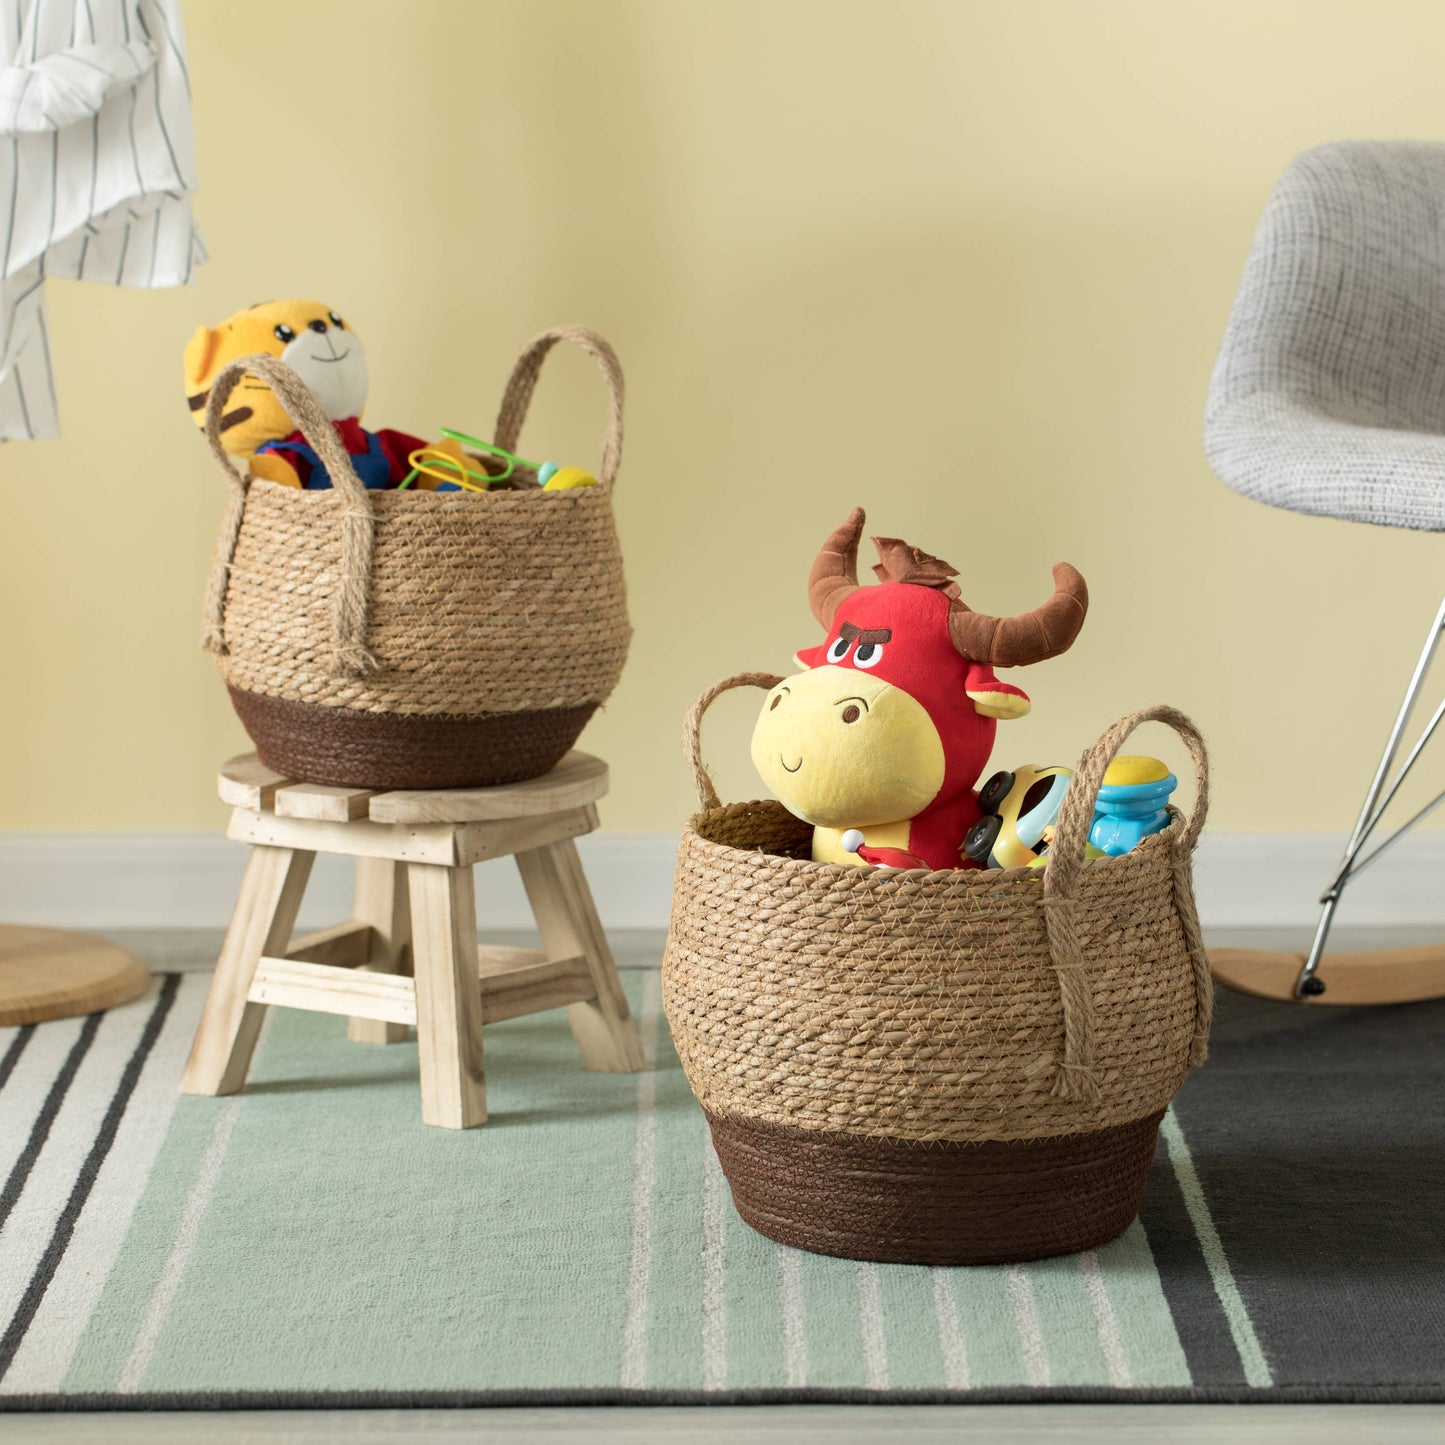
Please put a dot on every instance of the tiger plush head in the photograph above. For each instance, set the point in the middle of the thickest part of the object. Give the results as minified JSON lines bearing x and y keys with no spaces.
{"x":308,"y":336}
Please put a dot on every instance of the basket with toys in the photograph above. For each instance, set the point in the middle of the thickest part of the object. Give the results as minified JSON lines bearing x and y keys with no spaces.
{"x":908,"y":1049}
{"x":388,"y":612}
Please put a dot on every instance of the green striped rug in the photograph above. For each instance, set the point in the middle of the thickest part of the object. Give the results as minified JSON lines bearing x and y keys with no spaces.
{"x":311,"y":1242}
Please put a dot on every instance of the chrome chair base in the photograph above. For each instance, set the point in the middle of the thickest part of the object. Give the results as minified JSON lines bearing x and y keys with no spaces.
{"x":1309,"y":984}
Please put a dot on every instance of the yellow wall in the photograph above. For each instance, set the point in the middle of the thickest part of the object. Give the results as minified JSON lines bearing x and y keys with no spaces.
{"x":967,"y":263}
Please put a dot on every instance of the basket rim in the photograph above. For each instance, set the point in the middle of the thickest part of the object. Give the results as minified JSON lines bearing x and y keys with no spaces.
{"x":933,"y":879}
{"x":393,"y":499}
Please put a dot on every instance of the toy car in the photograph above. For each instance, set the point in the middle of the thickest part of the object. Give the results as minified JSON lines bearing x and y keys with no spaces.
{"x":1019,"y":811}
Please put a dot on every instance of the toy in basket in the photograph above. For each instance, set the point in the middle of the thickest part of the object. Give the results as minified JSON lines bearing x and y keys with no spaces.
{"x":329,"y":360}
{"x":394,"y":639}
{"x":926,"y":1066}
{"x":887,"y":731}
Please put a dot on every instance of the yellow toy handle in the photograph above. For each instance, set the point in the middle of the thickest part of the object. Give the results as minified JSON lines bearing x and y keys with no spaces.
{"x":433,"y":462}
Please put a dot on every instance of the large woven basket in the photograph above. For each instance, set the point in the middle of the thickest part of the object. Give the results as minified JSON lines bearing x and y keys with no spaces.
{"x":408,"y":639}
{"x":952,"y":1067}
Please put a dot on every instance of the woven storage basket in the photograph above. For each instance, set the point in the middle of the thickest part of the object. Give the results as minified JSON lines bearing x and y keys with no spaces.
{"x":952,"y":1067}
{"x":408,"y":639}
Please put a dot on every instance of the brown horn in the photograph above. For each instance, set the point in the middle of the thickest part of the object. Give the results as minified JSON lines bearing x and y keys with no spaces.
{"x":835,"y":573}
{"x":1029,"y":637}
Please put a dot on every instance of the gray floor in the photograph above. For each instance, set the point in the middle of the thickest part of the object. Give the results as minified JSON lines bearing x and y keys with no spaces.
{"x":785,"y":1425}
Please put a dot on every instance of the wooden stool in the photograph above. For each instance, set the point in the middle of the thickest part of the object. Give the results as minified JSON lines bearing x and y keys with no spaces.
{"x":410,"y":954}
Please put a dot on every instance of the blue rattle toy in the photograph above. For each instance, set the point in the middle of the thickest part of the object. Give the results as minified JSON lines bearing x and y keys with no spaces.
{"x":1133,"y":803}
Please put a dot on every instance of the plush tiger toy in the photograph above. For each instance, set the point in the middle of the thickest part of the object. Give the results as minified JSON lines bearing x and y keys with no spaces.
{"x":328,"y":356}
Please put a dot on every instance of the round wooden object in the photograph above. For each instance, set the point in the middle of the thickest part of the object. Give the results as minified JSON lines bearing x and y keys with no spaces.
{"x":1387,"y":975}
{"x":577,"y":780}
{"x":46,"y":973}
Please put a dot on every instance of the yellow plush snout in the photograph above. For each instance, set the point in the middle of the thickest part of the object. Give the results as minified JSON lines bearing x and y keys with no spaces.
{"x":840,"y":749}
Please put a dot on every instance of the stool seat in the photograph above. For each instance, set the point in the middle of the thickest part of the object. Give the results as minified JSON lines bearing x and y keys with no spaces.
{"x":409,"y":955}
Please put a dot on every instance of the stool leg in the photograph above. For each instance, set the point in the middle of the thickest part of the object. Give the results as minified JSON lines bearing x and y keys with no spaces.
{"x":562,"y":902}
{"x":448,"y":996}
{"x":382,"y":903}
{"x":265,"y":915}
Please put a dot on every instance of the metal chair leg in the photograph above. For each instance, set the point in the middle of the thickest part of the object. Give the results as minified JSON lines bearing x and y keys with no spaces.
{"x":1309,"y":984}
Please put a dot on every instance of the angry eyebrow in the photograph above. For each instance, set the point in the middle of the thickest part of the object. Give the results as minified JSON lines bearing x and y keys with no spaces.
{"x":849,"y":633}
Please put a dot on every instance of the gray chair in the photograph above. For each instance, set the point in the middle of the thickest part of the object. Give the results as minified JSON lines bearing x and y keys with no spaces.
{"x":1328,"y":397}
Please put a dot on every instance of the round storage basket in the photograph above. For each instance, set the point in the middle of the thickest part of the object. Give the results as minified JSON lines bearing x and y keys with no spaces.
{"x":950,"y":1067}
{"x":408,"y":639}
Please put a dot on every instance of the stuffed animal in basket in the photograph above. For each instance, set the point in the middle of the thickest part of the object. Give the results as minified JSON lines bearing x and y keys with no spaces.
{"x":887,"y":731}
{"x":327,"y":355}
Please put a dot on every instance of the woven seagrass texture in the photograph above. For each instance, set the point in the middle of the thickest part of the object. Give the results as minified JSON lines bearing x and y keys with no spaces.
{"x":385,"y":750}
{"x":900,"y":1202}
{"x":959,"y":1005}
{"x":421,"y":603}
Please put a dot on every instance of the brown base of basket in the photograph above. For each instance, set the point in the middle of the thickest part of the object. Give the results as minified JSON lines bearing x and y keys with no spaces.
{"x":351,"y":749}
{"x":899,"y":1202}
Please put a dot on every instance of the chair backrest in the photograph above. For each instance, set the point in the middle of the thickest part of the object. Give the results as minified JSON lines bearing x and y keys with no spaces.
{"x":1341,"y":311}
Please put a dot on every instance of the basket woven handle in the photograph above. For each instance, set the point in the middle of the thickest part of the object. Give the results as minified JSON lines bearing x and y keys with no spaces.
{"x":357,"y":524}
{"x":692,"y":730}
{"x":1076,"y":1079}
{"x":523,"y":382}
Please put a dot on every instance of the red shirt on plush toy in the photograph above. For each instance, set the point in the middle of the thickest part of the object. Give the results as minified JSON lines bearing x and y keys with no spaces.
{"x":888,"y":731}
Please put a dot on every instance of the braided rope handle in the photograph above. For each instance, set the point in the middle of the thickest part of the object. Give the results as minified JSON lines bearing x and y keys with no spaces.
{"x":1076,"y":1078}
{"x":523,"y":382}
{"x":352,"y":660}
{"x":692,"y":730}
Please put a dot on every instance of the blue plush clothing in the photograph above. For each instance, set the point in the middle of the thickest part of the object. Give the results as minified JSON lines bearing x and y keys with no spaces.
{"x":373,"y":465}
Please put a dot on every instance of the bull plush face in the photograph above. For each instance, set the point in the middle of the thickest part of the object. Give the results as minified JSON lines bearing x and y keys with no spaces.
{"x":898,"y":707}
{"x":851,"y":741}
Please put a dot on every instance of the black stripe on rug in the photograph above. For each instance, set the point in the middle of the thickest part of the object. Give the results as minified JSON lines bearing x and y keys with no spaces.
{"x":40,"y":1130}
{"x":1199,"y":1318}
{"x":85,"y":1181}
{"x":12,"y":1054}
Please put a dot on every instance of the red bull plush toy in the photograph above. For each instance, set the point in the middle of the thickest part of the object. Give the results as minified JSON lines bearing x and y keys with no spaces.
{"x":887,"y":731}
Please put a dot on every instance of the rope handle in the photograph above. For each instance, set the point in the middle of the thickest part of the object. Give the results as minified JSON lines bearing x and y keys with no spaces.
{"x":297,"y":402}
{"x":692,"y":730}
{"x":1076,"y":1077}
{"x":352,"y":660}
{"x":1076,"y":815}
{"x":523,"y":382}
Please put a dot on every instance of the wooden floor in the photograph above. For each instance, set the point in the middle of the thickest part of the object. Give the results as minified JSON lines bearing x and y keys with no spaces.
{"x":758,"y":1425}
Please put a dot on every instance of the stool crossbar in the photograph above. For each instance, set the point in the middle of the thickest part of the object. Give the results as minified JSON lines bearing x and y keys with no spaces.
{"x":408,"y":956}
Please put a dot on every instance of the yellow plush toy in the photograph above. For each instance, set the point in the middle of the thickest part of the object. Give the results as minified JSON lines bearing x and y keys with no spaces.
{"x":318,"y":345}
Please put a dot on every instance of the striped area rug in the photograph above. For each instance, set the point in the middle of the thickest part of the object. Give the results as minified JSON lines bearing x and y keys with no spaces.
{"x":310,"y":1242}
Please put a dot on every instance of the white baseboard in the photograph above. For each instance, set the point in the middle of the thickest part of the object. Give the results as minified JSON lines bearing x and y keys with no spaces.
{"x":1269,"y":880}
{"x":189,"y":880}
